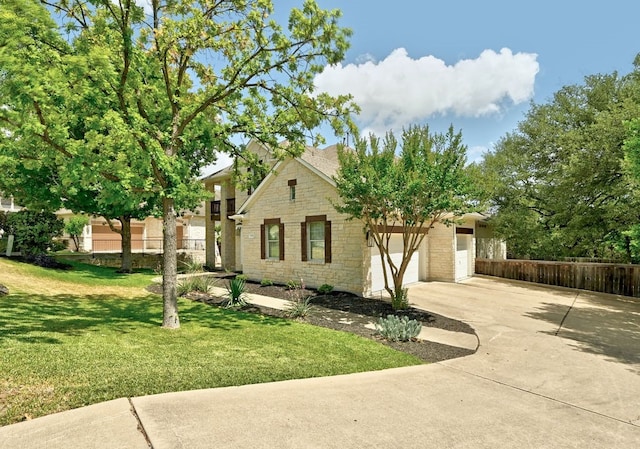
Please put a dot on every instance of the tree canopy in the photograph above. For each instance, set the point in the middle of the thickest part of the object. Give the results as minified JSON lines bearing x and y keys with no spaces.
{"x":144,"y":98}
{"x":558,"y":182}
{"x":410,"y":185}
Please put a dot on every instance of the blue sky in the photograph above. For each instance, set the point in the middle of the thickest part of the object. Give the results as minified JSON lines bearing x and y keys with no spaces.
{"x":474,"y":64}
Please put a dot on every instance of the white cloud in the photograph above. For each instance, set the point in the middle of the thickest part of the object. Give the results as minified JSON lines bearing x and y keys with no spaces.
{"x":399,"y":90}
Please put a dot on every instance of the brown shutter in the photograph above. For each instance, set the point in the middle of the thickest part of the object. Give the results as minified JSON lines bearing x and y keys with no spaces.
{"x":327,"y":242}
{"x":263,"y":251}
{"x":281,"y":241}
{"x":303,"y":240}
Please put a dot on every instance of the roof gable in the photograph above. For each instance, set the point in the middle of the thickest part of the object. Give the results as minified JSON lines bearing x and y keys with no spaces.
{"x":268,"y":180}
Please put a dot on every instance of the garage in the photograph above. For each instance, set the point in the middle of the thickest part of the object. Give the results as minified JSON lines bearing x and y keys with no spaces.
{"x":395,"y":249}
{"x":105,"y":240}
{"x":464,"y":253}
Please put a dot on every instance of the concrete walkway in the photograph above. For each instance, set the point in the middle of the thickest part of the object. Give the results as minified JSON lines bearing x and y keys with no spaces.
{"x":555,"y":369}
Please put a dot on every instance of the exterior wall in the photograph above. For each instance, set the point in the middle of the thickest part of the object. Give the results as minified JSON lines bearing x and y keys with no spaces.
{"x":313,"y":195}
{"x":488,"y":246}
{"x":228,"y":228}
{"x":211,"y":253}
{"x":441,"y":250}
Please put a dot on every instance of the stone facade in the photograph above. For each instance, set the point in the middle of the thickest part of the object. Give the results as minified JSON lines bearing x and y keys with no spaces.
{"x":313,"y":196}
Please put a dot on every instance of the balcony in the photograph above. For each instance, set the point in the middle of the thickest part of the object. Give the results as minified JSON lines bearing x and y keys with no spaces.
{"x":215,"y":210}
{"x":231,"y":207}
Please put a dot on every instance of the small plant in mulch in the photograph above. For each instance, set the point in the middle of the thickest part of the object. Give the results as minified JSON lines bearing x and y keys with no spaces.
{"x":200,"y":284}
{"x":300,"y":301}
{"x":394,"y":328}
{"x":325,"y":289}
{"x":266,"y":282}
{"x":236,"y":295}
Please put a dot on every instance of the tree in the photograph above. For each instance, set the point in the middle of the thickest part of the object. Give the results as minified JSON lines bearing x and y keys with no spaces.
{"x":558,"y":182}
{"x":75,"y":227}
{"x":145,"y":98}
{"x":423,"y":185}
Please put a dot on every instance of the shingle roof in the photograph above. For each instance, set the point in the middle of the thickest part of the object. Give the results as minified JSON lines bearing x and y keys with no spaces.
{"x":325,"y":160}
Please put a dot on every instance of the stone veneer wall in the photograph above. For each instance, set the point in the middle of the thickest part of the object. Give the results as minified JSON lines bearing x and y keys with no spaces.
{"x":441,"y":252}
{"x":346,"y":271}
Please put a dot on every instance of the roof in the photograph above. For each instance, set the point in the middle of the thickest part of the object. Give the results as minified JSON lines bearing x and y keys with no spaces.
{"x":325,"y":161}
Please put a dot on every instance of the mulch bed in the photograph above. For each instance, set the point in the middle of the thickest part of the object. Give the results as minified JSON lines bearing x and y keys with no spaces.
{"x":350,"y":313}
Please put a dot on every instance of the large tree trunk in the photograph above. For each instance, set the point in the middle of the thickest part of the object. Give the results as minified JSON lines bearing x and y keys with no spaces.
{"x":126,"y":244}
{"x":170,"y":317}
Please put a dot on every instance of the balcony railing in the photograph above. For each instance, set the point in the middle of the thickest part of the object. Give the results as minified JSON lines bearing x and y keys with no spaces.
{"x":145,"y":245}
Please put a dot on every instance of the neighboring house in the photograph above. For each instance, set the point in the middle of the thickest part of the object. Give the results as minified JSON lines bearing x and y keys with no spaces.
{"x":287,"y":229}
{"x":7,"y":204}
{"x":146,"y":235}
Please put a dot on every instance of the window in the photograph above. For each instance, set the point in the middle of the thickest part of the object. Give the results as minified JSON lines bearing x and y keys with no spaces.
{"x":292,"y":189}
{"x":316,"y":239}
{"x":272,"y":239}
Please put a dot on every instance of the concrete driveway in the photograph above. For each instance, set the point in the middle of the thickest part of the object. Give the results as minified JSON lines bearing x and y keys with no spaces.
{"x":555,"y":369}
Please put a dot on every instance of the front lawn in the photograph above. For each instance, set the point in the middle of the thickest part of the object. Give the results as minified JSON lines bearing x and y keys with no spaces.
{"x":75,"y":338}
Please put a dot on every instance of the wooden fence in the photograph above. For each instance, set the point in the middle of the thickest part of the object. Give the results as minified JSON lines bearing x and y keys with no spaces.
{"x":619,"y":279}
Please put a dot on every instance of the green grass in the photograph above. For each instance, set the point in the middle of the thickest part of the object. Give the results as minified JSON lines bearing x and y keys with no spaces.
{"x":74,"y":346}
{"x":86,"y":274}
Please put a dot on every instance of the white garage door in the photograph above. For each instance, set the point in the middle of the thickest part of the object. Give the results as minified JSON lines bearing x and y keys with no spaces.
{"x":395,"y":246}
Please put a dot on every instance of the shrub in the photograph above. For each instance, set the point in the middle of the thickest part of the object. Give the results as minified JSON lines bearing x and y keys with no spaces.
{"x":299,"y":309}
{"x":236,"y":296}
{"x":325,"y":288}
{"x":33,"y":231}
{"x":44,"y":261}
{"x":293,"y":285}
{"x":266,"y":282}
{"x":191,"y":266}
{"x":299,"y":298}
{"x":242,"y":277}
{"x":394,"y":328}
{"x":400,"y":300}
{"x":195,"y":284}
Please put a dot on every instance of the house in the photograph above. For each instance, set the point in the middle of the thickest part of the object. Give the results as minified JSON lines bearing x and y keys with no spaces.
{"x":146,"y":235}
{"x":287,"y":229}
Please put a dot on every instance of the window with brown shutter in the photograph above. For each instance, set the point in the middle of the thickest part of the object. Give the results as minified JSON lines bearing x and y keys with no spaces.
{"x":315,"y":234}
{"x":272,"y":239}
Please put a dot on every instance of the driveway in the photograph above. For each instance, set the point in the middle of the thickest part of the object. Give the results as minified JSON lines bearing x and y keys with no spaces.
{"x":554,"y":369}
{"x":570,"y":346}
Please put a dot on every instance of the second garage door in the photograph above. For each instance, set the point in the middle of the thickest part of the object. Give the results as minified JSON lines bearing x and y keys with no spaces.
{"x":395,"y":249}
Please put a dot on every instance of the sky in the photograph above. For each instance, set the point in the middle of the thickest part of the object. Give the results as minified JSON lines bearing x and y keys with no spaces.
{"x":476,"y":65}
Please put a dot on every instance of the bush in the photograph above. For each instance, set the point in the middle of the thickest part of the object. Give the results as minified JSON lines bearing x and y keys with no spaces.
{"x":325,"y":288}
{"x":299,"y":308}
{"x":236,"y":296}
{"x":299,"y":298}
{"x":44,"y":261}
{"x":191,"y":266}
{"x":190,"y":284}
{"x":292,"y":285}
{"x":242,"y":277}
{"x":393,"y":328}
{"x":266,"y":282}
{"x":34,"y":231}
